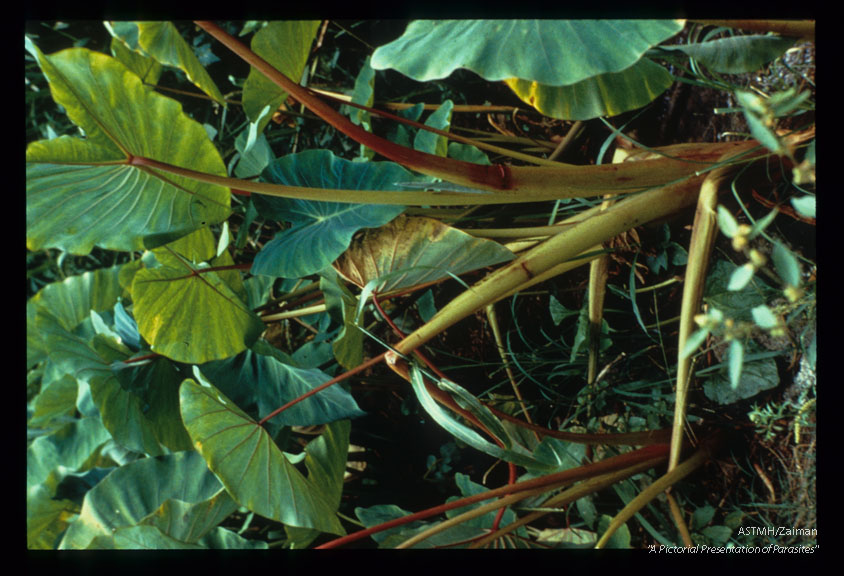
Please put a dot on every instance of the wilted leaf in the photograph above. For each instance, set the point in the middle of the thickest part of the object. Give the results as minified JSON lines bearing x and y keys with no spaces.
{"x":411,"y":251}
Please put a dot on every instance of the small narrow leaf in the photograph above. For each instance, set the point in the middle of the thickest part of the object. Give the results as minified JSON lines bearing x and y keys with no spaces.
{"x":736,"y":362}
{"x":726,"y":222}
{"x":805,"y":206}
{"x":462,"y":432}
{"x":693,"y":342}
{"x":760,"y":225}
{"x":764,"y":317}
{"x":787,"y":265}
{"x":741,"y":277}
{"x":434,"y":143}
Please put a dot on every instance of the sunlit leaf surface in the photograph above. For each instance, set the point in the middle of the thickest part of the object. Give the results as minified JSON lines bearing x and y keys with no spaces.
{"x":252,"y":468}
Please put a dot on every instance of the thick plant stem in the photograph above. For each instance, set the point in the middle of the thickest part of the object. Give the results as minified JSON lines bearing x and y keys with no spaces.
{"x":568,"y":244}
{"x":597,"y":291}
{"x":492,"y":317}
{"x":700,"y":247}
{"x":471,"y":514}
{"x":677,"y":515}
{"x":660,"y":485}
{"x":598,"y":272}
{"x":508,"y":183}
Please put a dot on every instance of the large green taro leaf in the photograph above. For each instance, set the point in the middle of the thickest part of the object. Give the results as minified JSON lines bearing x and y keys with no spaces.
{"x":81,"y":192}
{"x":259,"y":377}
{"x":70,"y":447}
{"x":411,"y":251}
{"x":191,"y":315}
{"x":138,"y":405}
{"x":285,"y":45}
{"x":46,"y":518}
{"x":551,"y":52}
{"x":70,"y":302}
{"x":135,"y":490}
{"x":162,"y":41}
{"x":249,"y":464}
{"x":321,"y":231}
{"x":604,"y":95}
{"x":146,"y":537}
{"x":144,"y":67}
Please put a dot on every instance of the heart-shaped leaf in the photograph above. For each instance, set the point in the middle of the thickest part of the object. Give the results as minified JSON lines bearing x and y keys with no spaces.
{"x":83,"y":193}
{"x":551,"y":52}
{"x":190,"y":521}
{"x":70,"y":447}
{"x":174,"y":305}
{"x":260,"y":378}
{"x":252,"y":468}
{"x":321,"y":231}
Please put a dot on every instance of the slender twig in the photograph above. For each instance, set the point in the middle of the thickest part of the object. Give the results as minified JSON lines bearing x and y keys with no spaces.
{"x":502,"y":352}
{"x":566,"y":142}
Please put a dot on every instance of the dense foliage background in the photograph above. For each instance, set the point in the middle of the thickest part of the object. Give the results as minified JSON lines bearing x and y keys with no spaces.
{"x":141,"y":435}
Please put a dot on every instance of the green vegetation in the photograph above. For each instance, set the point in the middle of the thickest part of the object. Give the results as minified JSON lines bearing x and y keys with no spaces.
{"x":350,"y":284}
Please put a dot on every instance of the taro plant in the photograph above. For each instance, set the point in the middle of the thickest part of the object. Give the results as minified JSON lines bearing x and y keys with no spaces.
{"x":269,"y":253}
